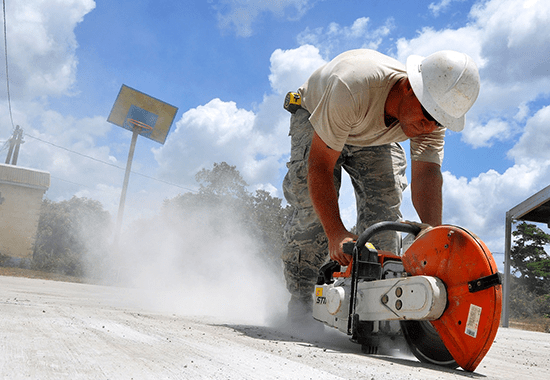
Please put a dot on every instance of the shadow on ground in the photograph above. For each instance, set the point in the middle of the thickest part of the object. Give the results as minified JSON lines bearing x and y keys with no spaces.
{"x":329,"y":339}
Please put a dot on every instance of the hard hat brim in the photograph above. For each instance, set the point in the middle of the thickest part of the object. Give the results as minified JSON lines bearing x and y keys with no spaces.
{"x":414,"y":72}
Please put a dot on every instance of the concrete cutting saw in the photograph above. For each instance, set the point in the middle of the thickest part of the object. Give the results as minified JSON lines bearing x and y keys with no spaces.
{"x":442,"y":297}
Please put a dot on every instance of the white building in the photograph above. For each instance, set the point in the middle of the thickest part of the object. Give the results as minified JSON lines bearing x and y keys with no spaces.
{"x":21,"y":192}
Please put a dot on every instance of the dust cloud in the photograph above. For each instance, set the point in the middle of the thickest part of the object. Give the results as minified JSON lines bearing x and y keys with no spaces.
{"x":208,"y":266}
{"x":205,"y":264}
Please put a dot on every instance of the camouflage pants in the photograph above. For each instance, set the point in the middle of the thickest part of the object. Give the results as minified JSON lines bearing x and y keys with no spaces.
{"x":378,"y":178}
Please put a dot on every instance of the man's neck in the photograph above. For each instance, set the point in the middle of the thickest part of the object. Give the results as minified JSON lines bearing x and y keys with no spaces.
{"x":391,"y":106}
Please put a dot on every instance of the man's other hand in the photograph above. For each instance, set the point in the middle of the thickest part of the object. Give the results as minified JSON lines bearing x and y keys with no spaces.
{"x":336,"y":248}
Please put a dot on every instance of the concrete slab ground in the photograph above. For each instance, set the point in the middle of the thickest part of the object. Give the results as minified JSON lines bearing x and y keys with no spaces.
{"x":58,"y":330}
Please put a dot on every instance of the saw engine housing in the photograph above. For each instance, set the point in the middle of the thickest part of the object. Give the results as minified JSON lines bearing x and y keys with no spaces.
{"x":442,"y":295}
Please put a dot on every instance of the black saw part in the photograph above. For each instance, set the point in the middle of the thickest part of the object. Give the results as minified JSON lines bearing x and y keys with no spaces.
{"x":425,"y":343}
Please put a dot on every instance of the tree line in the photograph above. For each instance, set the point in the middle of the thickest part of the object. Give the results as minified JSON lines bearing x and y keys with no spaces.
{"x":75,"y":236}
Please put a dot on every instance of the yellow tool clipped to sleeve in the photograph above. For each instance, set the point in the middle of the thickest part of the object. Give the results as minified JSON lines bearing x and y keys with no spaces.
{"x":293,"y":102}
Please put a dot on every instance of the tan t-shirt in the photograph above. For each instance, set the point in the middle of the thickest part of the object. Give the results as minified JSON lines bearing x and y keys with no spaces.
{"x":346,"y":99}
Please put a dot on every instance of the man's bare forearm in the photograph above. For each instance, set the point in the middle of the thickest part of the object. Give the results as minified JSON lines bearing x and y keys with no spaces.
{"x":426,"y":192}
{"x":321,"y":186}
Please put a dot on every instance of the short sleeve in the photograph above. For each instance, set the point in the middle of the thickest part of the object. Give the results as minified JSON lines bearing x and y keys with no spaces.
{"x":428,"y":147}
{"x":335,"y":114}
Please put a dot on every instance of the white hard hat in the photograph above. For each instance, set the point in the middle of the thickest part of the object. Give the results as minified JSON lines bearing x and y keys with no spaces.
{"x":447,"y":85}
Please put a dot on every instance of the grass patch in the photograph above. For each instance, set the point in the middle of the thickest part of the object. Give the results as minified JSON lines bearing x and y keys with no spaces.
{"x":537,"y":323}
{"x":29,"y":273}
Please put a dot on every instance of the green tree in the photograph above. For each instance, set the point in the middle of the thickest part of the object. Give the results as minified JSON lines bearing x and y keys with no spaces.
{"x":530,"y":287}
{"x":222,"y":181}
{"x":268,"y":219}
{"x":72,"y":236}
{"x":529,"y":259}
{"x":220,"y":203}
{"x":224,"y":202}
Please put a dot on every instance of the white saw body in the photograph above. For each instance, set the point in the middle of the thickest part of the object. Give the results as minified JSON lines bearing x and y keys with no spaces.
{"x":418,"y":298}
{"x":442,"y":295}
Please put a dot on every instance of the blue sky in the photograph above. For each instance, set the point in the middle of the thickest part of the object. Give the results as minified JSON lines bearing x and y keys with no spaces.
{"x":226,"y":64}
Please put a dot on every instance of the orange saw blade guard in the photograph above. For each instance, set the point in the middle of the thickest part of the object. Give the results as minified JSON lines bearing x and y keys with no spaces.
{"x":470,"y":322}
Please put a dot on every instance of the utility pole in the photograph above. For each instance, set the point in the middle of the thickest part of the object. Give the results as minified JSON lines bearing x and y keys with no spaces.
{"x":15,"y":142}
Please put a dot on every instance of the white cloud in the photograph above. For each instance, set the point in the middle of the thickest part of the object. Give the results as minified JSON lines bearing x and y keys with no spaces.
{"x":485,"y":135}
{"x":441,"y":6}
{"x":109,"y":197}
{"x":216,"y":132}
{"x":480,"y":203}
{"x":72,"y":163}
{"x":532,"y":147}
{"x":291,"y":68}
{"x":69,"y":130}
{"x":514,"y":39}
{"x":211,"y":133}
{"x":336,"y":39}
{"x":429,"y":40}
{"x":222,"y":120}
{"x":42,"y":45}
{"x":241,"y":14}
{"x":523,"y":112}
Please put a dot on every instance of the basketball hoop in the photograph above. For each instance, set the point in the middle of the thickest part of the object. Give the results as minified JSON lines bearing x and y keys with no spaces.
{"x":139,"y":126}
{"x":145,"y":116}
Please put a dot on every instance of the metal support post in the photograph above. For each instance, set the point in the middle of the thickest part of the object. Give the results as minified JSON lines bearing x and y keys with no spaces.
{"x":506,"y":287}
{"x":135,"y":134}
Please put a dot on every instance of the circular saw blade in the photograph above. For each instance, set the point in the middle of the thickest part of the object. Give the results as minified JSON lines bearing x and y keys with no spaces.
{"x":425,"y":343}
{"x":469,"y":324}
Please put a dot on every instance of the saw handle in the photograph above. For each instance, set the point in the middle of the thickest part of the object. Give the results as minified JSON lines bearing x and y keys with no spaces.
{"x":327,"y":270}
{"x":386,"y":226}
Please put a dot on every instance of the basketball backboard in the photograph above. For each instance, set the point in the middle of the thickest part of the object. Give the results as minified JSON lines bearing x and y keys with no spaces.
{"x":134,"y":105}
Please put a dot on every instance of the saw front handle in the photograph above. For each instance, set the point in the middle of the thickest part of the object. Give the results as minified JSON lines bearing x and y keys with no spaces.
{"x":386,"y":226}
{"x":332,"y":269}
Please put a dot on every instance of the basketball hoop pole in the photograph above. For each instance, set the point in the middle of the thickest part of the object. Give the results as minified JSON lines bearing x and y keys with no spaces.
{"x":135,"y":134}
{"x":143,"y":115}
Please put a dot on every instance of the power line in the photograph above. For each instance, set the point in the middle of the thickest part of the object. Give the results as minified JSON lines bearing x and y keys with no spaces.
{"x":6,"y":53}
{"x":71,"y":182}
{"x":108,"y":163}
{"x":74,"y":152}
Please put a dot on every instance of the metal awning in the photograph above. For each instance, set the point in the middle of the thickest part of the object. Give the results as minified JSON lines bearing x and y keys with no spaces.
{"x":534,"y":209}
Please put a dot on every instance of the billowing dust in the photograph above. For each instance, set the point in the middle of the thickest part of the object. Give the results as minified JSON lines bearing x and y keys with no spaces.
{"x":200,"y":267}
{"x":214,"y":271}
